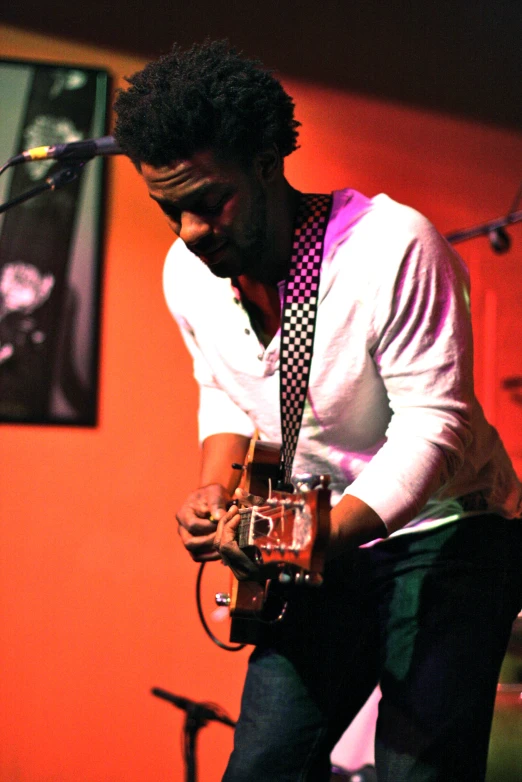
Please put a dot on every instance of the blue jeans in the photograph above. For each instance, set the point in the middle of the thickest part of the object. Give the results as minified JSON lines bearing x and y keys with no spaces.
{"x":428,"y":616}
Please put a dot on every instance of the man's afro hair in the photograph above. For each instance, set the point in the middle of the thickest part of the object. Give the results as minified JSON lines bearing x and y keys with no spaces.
{"x":206,"y":98}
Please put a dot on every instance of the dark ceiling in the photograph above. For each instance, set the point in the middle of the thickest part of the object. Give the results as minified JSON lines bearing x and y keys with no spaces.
{"x":462,"y":57}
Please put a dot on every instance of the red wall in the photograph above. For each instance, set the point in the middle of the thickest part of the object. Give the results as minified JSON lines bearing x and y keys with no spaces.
{"x":96,"y":595}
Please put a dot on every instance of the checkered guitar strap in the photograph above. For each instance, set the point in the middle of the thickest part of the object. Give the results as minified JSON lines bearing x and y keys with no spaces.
{"x":298,"y":323}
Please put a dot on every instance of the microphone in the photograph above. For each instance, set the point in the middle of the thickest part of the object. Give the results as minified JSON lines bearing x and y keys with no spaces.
{"x":499,"y":240}
{"x":75,"y":150}
{"x":202,"y":711}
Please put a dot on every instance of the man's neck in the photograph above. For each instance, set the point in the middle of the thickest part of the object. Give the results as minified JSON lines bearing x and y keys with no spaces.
{"x":290,"y":207}
{"x":282,"y":216}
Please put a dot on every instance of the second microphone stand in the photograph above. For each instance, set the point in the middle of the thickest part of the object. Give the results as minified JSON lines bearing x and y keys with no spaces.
{"x":197,"y":716}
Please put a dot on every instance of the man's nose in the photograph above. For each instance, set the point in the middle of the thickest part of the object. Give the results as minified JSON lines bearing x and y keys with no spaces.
{"x":193,"y":228}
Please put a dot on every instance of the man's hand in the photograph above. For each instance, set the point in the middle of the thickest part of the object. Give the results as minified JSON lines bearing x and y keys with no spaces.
{"x":225,"y":542}
{"x":197,"y":519}
{"x":352,"y":523}
{"x":202,"y":510}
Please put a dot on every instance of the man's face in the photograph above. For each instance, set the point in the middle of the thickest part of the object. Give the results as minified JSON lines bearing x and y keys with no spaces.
{"x":217,"y":208}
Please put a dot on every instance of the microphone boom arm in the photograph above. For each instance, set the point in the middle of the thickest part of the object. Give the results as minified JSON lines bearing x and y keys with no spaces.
{"x":64,"y":176}
{"x":485,"y":228}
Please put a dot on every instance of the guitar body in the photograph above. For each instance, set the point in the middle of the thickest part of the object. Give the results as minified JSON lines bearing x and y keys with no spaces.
{"x":284,"y":533}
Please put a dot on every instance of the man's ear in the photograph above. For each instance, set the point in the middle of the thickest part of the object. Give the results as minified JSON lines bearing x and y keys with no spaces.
{"x":269,"y":164}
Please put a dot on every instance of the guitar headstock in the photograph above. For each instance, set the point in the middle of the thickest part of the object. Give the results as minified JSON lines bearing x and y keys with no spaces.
{"x":288,"y":527}
{"x":285,"y":533}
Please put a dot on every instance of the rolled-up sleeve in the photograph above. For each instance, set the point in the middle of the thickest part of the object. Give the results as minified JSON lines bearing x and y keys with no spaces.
{"x":423,"y":353}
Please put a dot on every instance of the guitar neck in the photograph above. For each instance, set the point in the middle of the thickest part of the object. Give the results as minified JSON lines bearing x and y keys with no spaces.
{"x":245,"y":531}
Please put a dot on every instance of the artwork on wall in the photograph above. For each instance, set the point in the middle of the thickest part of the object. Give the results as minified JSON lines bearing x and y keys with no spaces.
{"x":50,"y":246}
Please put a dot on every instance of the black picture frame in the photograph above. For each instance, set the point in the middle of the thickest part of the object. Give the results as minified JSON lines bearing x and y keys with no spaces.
{"x":51,"y":245}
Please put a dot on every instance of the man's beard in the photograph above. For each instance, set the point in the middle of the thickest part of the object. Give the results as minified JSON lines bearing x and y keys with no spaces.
{"x":250,"y":248}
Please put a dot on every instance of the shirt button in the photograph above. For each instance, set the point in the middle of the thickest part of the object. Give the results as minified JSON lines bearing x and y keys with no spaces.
{"x":247,"y":331}
{"x":260,"y":357}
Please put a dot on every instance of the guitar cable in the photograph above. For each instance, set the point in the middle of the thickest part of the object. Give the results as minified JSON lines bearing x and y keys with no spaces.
{"x":214,"y":638}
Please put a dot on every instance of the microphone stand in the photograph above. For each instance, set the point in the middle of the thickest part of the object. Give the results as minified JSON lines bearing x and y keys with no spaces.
{"x":197,"y":716}
{"x":60,"y":178}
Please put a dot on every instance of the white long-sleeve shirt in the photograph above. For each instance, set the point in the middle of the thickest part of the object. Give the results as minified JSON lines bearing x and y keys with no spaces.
{"x":391,"y":414}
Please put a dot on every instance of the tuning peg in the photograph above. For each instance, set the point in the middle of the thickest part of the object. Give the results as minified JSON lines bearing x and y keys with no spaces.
{"x":309,"y":481}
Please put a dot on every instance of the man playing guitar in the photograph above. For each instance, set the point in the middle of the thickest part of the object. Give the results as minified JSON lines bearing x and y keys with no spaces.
{"x":423,"y":572}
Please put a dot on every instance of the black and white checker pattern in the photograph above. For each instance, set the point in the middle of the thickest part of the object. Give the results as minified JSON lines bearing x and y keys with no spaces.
{"x":298,"y":320}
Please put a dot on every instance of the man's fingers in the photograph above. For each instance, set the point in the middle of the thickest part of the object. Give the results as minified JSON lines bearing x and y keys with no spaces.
{"x":203,"y":509}
{"x":195,"y":526}
{"x":200,"y":547}
{"x":216,"y":514}
{"x":214,"y":500}
{"x":225,"y":542}
{"x":226,"y":529}
{"x":246,"y":498}
{"x":240,"y":564}
{"x":198,"y":519}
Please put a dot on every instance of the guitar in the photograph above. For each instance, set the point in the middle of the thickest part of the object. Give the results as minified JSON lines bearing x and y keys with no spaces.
{"x":284,"y":533}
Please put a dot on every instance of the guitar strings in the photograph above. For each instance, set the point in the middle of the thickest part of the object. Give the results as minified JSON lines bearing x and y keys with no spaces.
{"x":248,"y":522}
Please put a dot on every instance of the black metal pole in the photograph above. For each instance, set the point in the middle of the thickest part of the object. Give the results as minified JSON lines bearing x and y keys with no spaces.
{"x":60,"y":178}
{"x":485,"y":228}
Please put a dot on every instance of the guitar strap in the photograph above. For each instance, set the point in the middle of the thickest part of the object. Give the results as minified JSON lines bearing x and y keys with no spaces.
{"x":298,"y":323}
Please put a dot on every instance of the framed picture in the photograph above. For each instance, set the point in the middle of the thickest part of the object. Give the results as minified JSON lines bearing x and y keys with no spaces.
{"x":50,"y":246}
